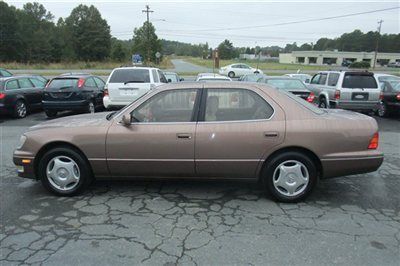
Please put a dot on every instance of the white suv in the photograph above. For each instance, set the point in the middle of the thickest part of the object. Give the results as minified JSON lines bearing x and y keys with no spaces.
{"x":126,"y":84}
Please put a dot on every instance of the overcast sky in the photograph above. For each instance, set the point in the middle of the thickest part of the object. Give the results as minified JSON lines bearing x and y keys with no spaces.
{"x":210,"y":21}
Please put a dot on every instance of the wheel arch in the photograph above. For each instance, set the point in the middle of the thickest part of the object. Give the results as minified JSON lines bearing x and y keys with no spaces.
{"x":299,"y":149}
{"x":57,"y":144}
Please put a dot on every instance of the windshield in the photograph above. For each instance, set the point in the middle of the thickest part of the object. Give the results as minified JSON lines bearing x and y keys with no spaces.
{"x":113,"y":114}
{"x":286,"y":84}
{"x":353,"y":81}
{"x":130,"y":76}
{"x":58,"y":83}
{"x":306,"y":104}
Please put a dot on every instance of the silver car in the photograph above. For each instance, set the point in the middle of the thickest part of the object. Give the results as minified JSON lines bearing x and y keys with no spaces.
{"x":352,"y":90}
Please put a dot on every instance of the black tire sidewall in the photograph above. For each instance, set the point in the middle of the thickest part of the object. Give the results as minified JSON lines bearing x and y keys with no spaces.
{"x":322,"y":102}
{"x":267,"y":177}
{"x":385,"y":108}
{"x":231,"y":74}
{"x":16,"y":109}
{"x":50,"y":113}
{"x":85,"y":171}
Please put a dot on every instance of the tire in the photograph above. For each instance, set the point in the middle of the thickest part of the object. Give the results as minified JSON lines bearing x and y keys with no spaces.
{"x":50,"y":113}
{"x":64,"y":171}
{"x":290,"y":188}
{"x":322,"y":103}
{"x":231,"y":74}
{"x":91,"y":107}
{"x":20,"y":109}
{"x":382,"y":110}
{"x":256,"y":72}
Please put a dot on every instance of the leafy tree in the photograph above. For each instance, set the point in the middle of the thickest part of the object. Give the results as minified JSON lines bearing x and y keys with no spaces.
{"x":226,"y":50}
{"x":9,"y":33}
{"x":91,"y":38}
{"x":145,"y":41}
{"x":118,"y":51}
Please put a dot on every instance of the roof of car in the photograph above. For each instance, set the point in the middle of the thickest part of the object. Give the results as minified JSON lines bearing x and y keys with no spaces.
{"x":214,"y":77}
{"x":74,"y":75}
{"x":135,"y":67}
{"x":169,"y":73}
{"x":281,"y":77}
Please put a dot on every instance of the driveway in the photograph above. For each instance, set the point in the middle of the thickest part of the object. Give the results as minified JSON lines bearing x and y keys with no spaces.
{"x":351,"y":220}
{"x":181,"y":66}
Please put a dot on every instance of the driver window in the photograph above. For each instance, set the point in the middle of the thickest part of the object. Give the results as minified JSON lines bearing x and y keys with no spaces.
{"x":315,"y":79}
{"x":235,"y":105}
{"x":167,"y":106}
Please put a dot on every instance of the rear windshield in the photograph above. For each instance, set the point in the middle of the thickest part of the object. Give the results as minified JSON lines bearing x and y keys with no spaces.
{"x":286,"y":84}
{"x":130,"y":75}
{"x":63,"y":83}
{"x":354,"y":81}
{"x":306,"y":104}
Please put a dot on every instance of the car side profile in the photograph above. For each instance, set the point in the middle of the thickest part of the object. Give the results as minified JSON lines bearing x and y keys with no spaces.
{"x":225,"y":130}
{"x":351,"y":90}
{"x":73,"y":92}
{"x":20,"y":94}
{"x":5,"y":73}
{"x":390,"y":98}
{"x":238,"y":70}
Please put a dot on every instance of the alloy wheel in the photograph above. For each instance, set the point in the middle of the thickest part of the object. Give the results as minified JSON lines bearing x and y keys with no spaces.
{"x":382,"y":109}
{"x":21,"y":109}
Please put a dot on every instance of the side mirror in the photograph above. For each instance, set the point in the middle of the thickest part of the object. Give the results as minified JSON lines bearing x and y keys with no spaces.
{"x":169,"y":80}
{"x":181,"y":79}
{"x":307,"y":81}
{"x":126,"y":120}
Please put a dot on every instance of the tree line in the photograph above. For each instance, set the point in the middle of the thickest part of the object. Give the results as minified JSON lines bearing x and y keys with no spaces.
{"x":30,"y":35}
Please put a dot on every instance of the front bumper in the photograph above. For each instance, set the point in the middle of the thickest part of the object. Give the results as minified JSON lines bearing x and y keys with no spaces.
{"x":351,"y":163}
{"x":25,"y":164}
{"x":65,"y":105}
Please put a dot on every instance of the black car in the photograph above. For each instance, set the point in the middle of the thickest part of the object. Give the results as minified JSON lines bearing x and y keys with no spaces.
{"x":293,"y":85}
{"x":78,"y":92}
{"x":4,"y":73}
{"x":19,"y":95}
{"x":390,"y":98}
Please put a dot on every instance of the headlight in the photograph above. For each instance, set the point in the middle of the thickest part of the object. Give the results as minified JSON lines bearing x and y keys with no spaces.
{"x":22,"y":140}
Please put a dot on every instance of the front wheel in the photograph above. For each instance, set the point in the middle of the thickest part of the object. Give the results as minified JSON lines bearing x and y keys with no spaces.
{"x":231,"y":74}
{"x":290,"y":177}
{"x":64,"y":171}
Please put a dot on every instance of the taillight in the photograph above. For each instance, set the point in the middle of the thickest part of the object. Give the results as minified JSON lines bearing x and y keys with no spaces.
{"x":381,"y":96}
{"x":2,"y":95}
{"x":311,"y":98}
{"x":80,"y":83}
{"x":337,"y":94}
{"x":373,"y":144}
{"x":398,"y":96}
{"x":105,"y":92}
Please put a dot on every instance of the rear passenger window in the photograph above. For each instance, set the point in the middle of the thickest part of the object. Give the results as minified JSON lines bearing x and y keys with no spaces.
{"x":90,"y":82}
{"x":100,"y":83}
{"x":322,"y":79}
{"x":235,"y":105}
{"x":12,"y":85}
{"x":333,"y":79}
{"x":315,"y":79}
{"x":163,"y":79}
{"x":155,"y":76}
{"x":37,"y":83}
{"x":130,"y":75}
{"x":353,"y":81}
{"x":25,"y":83}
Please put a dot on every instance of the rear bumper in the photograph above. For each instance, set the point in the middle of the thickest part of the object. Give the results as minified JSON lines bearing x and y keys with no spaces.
{"x":111,"y":104}
{"x":65,"y":105}
{"x":356,"y":106}
{"x":5,"y":109}
{"x":351,"y":164}
{"x":393,"y":104}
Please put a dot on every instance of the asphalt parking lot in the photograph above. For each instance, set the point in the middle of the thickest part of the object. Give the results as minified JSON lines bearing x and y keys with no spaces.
{"x":349,"y":220}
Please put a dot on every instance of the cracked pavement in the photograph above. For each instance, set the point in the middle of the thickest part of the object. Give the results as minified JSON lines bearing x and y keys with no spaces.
{"x":348,"y":220}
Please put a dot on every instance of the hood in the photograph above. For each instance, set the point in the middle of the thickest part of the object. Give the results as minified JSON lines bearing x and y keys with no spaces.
{"x":84,"y":120}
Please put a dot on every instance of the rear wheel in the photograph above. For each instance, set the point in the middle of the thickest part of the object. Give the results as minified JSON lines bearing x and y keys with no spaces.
{"x":322,"y":103}
{"x":50,"y":113}
{"x":91,"y":108}
{"x":231,"y":74}
{"x":64,"y":171}
{"x":290,"y":176}
{"x":20,"y":109}
{"x":382,"y":110}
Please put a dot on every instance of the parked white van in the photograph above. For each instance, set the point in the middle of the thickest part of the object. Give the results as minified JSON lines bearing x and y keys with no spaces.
{"x":126,"y":84}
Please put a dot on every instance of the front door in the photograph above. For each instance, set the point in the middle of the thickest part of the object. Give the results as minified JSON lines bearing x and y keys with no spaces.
{"x":160,"y":140}
{"x":238,"y":128}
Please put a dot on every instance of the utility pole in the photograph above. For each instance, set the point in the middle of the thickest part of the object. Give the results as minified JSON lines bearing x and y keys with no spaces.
{"x":377,"y":42}
{"x":148,"y":11}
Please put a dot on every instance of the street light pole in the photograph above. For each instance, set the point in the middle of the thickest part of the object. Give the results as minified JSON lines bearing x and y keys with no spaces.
{"x":148,"y":11}
{"x":377,"y":42}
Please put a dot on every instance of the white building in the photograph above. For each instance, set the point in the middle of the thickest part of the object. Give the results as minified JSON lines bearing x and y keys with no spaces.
{"x":336,"y":57}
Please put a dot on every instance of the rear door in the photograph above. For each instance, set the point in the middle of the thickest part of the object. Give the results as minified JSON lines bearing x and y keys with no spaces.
{"x":125,"y":85}
{"x":236,"y":128}
{"x":32,"y":94}
{"x":359,"y":87}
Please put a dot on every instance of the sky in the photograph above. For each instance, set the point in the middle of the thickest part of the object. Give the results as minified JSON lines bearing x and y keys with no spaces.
{"x":245,"y":23}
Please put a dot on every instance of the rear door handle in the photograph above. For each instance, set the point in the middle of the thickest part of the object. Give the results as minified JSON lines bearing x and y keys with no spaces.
{"x":271,"y":134}
{"x":184,"y":136}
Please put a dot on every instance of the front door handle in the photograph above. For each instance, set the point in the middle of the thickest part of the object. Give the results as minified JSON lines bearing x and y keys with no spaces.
{"x":184,"y":136}
{"x":271,"y":134}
